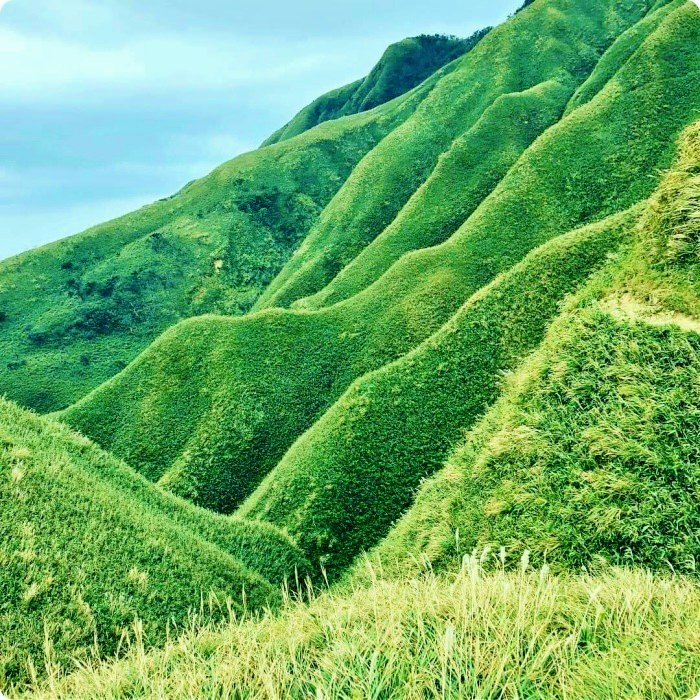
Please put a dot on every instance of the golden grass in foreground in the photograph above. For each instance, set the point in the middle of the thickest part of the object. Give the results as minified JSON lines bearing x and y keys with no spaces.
{"x":623,"y":634}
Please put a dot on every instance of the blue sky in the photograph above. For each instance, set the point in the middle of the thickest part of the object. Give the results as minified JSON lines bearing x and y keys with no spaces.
{"x":106,"y":105}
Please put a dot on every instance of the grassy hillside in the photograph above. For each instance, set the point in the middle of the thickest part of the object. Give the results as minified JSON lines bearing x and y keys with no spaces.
{"x":592,"y":452}
{"x":74,"y":313}
{"x":560,"y":41}
{"x":87,"y":547}
{"x":592,"y":455}
{"x":403,"y":66}
{"x":215,"y":404}
{"x":342,"y":485}
{"x":485,"y":355}
{"x":622,"y":634}
{"x":464,"y":176}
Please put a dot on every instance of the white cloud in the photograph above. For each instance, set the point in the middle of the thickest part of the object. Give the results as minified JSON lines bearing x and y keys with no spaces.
{"x":3,"y":3}
{"x":34,"y":68}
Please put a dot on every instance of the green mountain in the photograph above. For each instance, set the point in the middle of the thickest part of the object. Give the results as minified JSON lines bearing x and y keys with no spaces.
{"x":591,"y":450}
{"x":459,"y":332}
{"x":214,"y":406}
{"x":403,"y":66}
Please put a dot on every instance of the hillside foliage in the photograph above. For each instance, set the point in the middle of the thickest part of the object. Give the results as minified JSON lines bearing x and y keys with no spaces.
{"x":87,"y":547}
{"x":447,"y":318}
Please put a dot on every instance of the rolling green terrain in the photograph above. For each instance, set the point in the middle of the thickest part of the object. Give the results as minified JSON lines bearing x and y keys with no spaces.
{"x":458,"y":333}
{"x":212,"y":407}
{"x":87,"y":546}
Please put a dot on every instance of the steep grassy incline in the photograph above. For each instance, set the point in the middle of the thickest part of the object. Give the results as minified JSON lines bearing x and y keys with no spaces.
{"x":342,"y":485}
{"x":403,"y":66}
{"x":74,"y":313}
{"x":215,"y":403}
{"x":475,"y":164}
{"x":592,"y":453}
{"x":557,"y":40}
{"x":87,"y":546}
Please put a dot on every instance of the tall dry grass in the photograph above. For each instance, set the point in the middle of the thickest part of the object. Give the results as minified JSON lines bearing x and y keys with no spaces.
{"x":621,"y":634}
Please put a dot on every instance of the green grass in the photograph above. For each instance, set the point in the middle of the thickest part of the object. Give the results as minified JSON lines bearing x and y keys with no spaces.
{"x":344,"y":482}
{"x":592,"y":451}
{"x":485,"y":352}
{"x":76,"y":312}
{"x":622,"y":634}
{"x":403,"y":66}
{"x":214,"y":405}
{"x":622,"y":51}
{"x":463,"y":177}
{"x":672,"y":226}
{"x":87,"y":546}
{"x":591,"y":455}
{"x":559,"y":40}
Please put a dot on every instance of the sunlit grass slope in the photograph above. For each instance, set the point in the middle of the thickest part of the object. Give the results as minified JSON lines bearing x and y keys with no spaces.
{"x":215,"y":403}
{"x":556,"y":40}
{"x":74,"y":313}
{"x":622,"y":634}
{"x":87,"y":546}
{"x":475,"y":163}
{"x":342,"y":485}
{"x":403,"y":66}
{"x":592,"y":452}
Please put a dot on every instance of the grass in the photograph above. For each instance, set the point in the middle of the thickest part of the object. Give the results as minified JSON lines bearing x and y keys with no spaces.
{"x":214,"y":405}
{"x":569,"y":37}
{"x":591,"y":455}
{"x":344,"y":482}
{"x":672,"y":225}
{"x":87,"y":546}
{"x":499,"y":635}
{"x":487,"y":342}
{"x":591,"y":452}
{"x":461,"y":180}
{"x":403,"y":66}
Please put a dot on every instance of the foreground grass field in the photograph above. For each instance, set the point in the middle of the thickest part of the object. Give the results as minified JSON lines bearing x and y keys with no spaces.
{"x":524,"y":635}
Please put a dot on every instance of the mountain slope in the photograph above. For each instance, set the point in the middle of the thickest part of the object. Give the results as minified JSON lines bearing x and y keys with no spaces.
{"x":403,"y":66}
{"x":485,"y":354}
{"x":74,"y":313}
{"x":548,"y":41}
{"x":592,"y":451}
{"x":343,"y":483}
{"x":87,"y":546}
{"x":464,"y":176}
{"x":215,"y":404}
